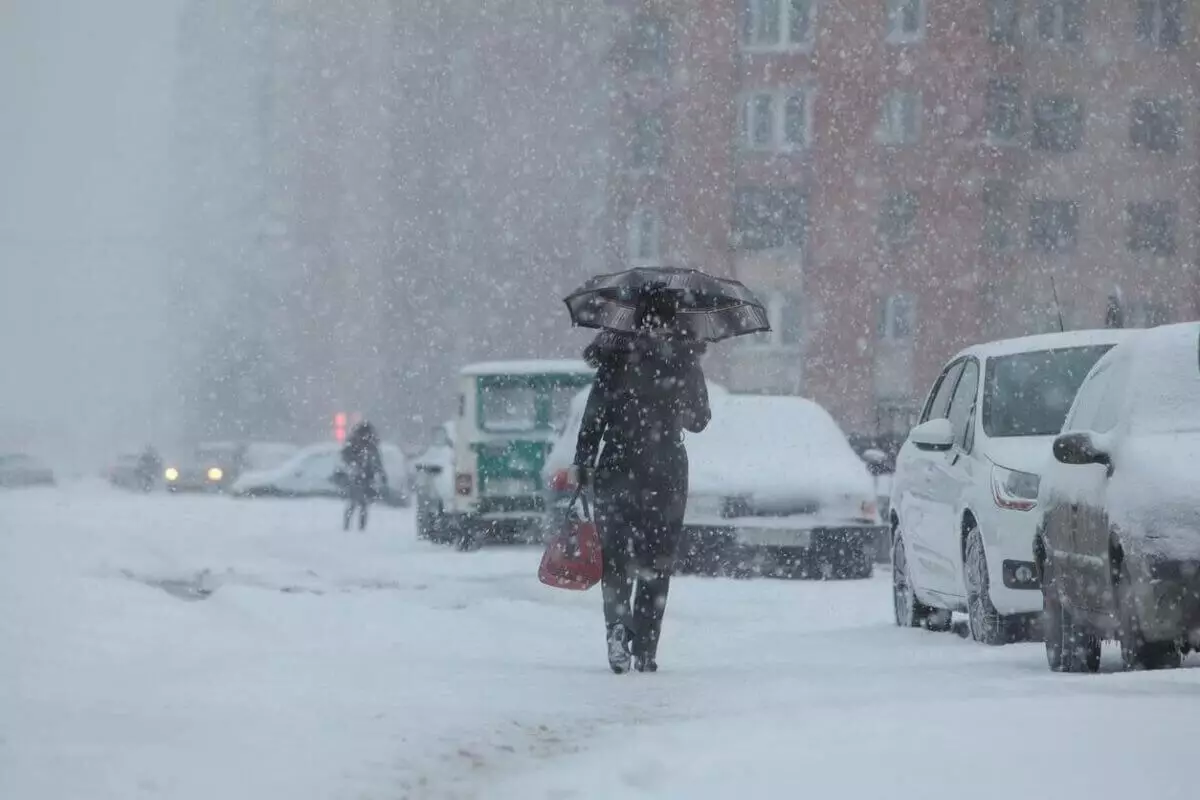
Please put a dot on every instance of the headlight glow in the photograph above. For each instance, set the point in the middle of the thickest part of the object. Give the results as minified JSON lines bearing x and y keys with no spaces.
{"x":1013,"y":489}
{"x":171,"y":474}
{"x":215,"y":474}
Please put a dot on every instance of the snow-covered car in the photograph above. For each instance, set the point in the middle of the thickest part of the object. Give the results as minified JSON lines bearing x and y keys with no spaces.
{"x":310,"y":473}
{"x":966,"y":482}
{"x":774,"y":488}
{"x":556,"y":471}
{"x":434,"y":470}
{"x":20,"y":470}
{"x":1118,"y":548}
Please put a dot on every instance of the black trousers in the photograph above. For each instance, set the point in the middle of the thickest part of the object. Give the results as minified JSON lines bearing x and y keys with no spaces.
{"x":641,"y":525}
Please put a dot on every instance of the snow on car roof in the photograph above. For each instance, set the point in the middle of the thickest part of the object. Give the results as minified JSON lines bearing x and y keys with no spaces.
{"x":533,"y":366}
{"x":1049,"y":341}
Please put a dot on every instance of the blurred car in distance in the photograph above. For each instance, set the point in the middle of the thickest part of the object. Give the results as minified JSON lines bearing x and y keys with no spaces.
{"x":310,"y":473}
{"x":20,"y":470}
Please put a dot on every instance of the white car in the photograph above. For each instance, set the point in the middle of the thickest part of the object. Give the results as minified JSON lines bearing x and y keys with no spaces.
{"x":966,"y":482}
{"x":774,"y":487}
{"x":310,"y":474}
{"x":434,"y":481}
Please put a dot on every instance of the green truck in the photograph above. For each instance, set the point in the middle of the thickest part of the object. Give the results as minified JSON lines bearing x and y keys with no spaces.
{"x":509,"y":413}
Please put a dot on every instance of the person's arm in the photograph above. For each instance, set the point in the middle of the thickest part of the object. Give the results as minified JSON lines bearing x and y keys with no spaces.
{"x":696,"y":412}
{"x":595,"y":417}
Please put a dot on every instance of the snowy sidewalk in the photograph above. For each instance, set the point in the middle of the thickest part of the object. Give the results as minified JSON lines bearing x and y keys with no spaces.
{"x":193,"y":647}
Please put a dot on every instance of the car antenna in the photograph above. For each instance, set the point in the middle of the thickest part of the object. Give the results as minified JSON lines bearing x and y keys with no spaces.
{"x":1061,"y":328}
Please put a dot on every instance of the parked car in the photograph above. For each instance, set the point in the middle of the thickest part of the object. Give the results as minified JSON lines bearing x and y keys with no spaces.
{"x":509,"y":413}
{"x":1118,"y":548}
{"x":209,"y":467}
{"x":310,"y":472}
{"x":126,"y":472}
{"x":774,"y":488}
{"x":20,"y":470}
{"x":966,"y":482}
{"x":434,"y":469}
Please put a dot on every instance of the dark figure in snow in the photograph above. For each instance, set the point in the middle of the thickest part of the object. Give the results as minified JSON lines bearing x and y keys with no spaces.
{"x":648,"y":389}
{"x":363,"y":468}
{"x":149,"y":467}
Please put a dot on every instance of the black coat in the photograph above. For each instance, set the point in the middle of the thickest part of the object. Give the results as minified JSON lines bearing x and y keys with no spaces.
{"x":647,"y":391}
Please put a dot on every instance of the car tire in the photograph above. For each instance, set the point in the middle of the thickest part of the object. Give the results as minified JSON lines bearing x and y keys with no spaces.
{"x":1070,"y":647}
{"x":909,"y":611}
{"x":1136,"y":652}
{"x":986,"y":624}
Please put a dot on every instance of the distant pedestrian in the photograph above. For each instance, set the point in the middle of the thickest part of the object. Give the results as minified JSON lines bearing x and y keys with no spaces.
{"x":648,"y":389}
{"x":364,"y":473}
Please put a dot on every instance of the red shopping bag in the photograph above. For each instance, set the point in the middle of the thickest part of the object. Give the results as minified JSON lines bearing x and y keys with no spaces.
{"x":572,"y":559}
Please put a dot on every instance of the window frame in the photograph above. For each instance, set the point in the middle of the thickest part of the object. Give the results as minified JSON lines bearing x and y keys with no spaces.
{"x":1046,"y":135}
{"x":962,"y":441}
{"x":748,"y":119}
{"x":1156,"y":124}
{"x":1034,"y":242}
{"x":896,"y":34}
{"x":952,"y":372}
{"x":1003,"y":87}
{"x":899,"y":105}
{"x":756,"y":196}
{"x":1059,"y":25}
{"x":751,"y":10}
{"x":886,"y":208}
{"x":1153,"y":35}
{"x":1142,"y":212}
{"x":658,"y":155}
{"x":634,"y":237}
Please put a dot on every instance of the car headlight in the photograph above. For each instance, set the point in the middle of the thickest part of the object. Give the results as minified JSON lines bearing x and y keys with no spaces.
{"x":1013,"y":489}
{"x":171,"y":474}
{"x":215,"y":473}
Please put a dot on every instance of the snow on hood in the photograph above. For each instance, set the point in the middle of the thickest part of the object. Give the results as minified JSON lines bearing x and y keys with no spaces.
{"x":1022,"y":453}
{"x":773,"y":449}
{"x":1154,"y":494}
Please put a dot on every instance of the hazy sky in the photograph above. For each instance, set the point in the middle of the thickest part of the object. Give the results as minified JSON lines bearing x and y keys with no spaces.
{"x":85,"y":111}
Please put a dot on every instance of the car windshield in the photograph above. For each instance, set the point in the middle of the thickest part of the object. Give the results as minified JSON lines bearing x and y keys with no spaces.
{"x":1029,"y":394}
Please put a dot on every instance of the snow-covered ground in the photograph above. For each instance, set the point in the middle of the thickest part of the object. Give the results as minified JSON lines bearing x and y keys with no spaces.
{"x":196,"y":647}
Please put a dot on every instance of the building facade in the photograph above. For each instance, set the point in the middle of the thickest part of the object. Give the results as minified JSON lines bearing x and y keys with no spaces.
{"x":901,"y":178}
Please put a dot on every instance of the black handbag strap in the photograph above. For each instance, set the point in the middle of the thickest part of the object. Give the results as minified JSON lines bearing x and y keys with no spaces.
{"x":580,"y":497}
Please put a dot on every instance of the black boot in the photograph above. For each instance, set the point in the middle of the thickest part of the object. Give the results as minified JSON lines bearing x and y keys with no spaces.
{"x":618,"y":649}
{"x":645,"y":664}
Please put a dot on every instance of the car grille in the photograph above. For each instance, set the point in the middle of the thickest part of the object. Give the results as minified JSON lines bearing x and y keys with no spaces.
{"x":504,"y":505}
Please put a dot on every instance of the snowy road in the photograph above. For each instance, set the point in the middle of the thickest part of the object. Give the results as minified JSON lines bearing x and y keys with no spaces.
{"x":190,"y":647}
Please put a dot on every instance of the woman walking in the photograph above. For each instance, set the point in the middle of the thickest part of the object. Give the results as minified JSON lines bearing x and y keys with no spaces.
{"x":363,"y":466}
{"x":648,"y":389}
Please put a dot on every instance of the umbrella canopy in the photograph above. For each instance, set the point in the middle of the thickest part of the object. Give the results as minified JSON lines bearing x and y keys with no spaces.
{"x":710,"y":309}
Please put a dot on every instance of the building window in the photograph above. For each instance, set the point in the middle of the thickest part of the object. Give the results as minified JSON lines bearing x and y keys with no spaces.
{"x":999,"y":232}
{"x":648,"y":44}
{"x":1057,"y":123}
{"x":1053,"y":225}
{"x":767,"y":218}
{"x":1152,"y":227}
{"x":1060,"y":21}
{"x":649,"y":136}
{"x":777,"y":24}
{"x":898,"y":217}
{"x":897,"y":318}
{"x":645,"y":234}
{"x":906,"y":20}
{"x":901,"y":123}
{"x":1156,"y":125}
{"x":1159,"y":22}
{"x":779,"y":121}
{"x":1002,"y":109}
{"x":1002,"y":21}
{"x":785,"y":313}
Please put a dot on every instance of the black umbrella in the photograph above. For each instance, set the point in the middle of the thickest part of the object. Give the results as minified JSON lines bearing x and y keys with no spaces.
{"x":710,"y":308}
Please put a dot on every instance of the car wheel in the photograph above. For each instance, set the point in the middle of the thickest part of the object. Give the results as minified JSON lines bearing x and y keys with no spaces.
{"x":909,"y":611}
{"x":1136,"y":652}
{"x":987,"y":626}
{"x":1069,"y":647}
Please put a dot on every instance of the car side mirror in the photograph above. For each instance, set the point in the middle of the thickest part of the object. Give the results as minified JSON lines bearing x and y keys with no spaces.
{"x":1079,"y":449}
{"x":936,"y":435}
